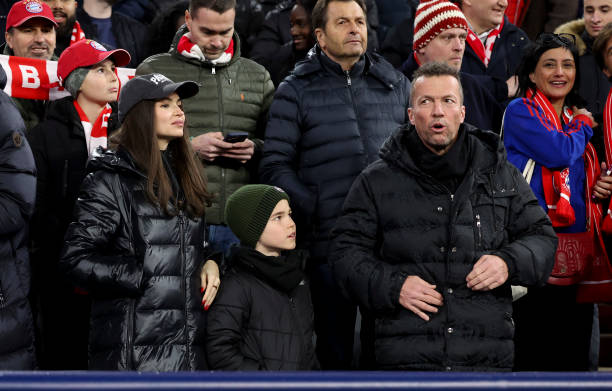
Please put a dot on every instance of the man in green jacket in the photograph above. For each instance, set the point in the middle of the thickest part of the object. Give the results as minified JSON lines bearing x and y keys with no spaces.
{"x":235,"y":94}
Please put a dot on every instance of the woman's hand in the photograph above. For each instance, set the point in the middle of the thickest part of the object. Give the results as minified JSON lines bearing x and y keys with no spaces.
{"x":603,"y":187}
{"x":584,"y":111}
{"x":210,"y":282}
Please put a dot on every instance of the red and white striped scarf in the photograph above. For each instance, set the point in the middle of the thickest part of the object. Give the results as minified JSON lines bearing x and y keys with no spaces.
{"x":77,"y":33}
{"x":484,"y":51}
{"x":32,"y":78}
{"x":591,"y":167}
{"x":96,"y":134}
{"x":607,"y":127}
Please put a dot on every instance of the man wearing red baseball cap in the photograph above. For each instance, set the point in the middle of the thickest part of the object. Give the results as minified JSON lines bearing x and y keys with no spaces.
{"x":30,"y":32}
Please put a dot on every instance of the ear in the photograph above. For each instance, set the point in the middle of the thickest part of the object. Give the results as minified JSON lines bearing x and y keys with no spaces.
{"x":462,"y":113}
{"x":8,"y":39}
{"x":607,"y":72}
{"x":532,"y":77}
{"x":188,"y":19}
{"x":320,"y":35}
{"x":411,"y":115}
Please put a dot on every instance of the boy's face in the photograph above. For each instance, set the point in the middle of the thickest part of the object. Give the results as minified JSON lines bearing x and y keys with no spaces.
{"x":279,"y":233}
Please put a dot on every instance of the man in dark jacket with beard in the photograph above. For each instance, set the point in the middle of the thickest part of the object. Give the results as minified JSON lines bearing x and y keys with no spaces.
{"x":434,"y":233}
{"x":327,"y":123}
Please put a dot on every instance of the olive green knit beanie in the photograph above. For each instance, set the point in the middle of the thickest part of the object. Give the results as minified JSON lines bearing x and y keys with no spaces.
{"x":248,"y":210}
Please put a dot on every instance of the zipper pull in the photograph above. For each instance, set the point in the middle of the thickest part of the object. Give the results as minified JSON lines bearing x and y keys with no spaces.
{"x":213,"y":71}
{"x":452,"y":197}
{"x":479,"y":230}
{"x":348,"y":78}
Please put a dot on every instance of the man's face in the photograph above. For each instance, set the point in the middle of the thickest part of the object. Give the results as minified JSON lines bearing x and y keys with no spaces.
{"x":437,"y":111}
{"x":597,"y":13}
{"x":447,"y":47}
{"x":64,"y":12}
{"x":345,"y":36}
{"x":210,"y":30}
{"x":33,"y":39}
{"x":484,"y":15}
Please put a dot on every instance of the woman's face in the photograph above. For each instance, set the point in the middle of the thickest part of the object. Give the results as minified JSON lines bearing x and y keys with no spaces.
{"x":101,"y":83}
{"x":555,"y":73}
{"x":301,"y":29}
{"x":169,"y":120}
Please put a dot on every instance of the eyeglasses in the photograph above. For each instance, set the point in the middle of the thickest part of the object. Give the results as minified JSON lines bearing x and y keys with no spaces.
{"x":562,"y":39}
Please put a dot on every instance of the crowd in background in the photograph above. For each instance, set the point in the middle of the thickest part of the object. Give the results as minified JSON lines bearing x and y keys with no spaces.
{"x":300,"y":95}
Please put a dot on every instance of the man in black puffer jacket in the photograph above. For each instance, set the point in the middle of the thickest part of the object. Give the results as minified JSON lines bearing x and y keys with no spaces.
{"x":327,"y":123}
{"x":434,"y":233}
{"x":17,"y":192}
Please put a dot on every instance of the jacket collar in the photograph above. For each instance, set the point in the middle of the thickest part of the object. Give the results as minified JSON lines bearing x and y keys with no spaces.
{"x":370,"y":63}
{"x":396,"y":153}
{"x":183,"y":29}
{"x":118,"y":160}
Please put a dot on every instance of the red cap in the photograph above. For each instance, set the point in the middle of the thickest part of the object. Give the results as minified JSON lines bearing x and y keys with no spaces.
{"x":87,"y":52}
{"x":433,"y":17}
{"x":24,"y":10}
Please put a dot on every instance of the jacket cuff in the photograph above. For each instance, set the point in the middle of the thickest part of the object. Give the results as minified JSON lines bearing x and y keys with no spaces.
{"x":506,"y":257}
{"x":396,"y":287}
{"x":585,"y":119}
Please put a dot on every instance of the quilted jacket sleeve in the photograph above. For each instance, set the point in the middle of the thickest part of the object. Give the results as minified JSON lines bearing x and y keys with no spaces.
{"x":224,"y":329}
{"x":87,"y":257}
{"x":360,"y":274}
{"x":280,"y":156}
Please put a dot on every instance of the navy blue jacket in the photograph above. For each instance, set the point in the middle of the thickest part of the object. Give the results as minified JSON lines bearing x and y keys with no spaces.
{"x":17,"y":194}
{"x":481,"y":108}
{"x":506,"y":56}
{"x":325,"y":126}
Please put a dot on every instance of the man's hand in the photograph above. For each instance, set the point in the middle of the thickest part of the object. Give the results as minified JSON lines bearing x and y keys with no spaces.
{"x":242,"y":151}
{"x":489,"y":272}
{"x":512,"y":84}
{"x":603,"y":187}
{"x":417,"y":295}
{"x":210,"y":145}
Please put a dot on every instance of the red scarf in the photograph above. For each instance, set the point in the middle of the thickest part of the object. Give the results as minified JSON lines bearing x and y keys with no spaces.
{"x":556,"y":183}
{"x":77,"y":33}
{"x":607,"y":222}
{"x":96,"y":134}
{"x":484,"y":51}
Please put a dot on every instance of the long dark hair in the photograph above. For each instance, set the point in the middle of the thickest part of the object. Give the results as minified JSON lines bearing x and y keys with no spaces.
{"x":531,"y":56}
{"x":137,"y":136}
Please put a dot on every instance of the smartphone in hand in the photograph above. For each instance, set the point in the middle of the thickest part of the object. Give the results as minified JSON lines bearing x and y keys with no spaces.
{"x":235,"y":137}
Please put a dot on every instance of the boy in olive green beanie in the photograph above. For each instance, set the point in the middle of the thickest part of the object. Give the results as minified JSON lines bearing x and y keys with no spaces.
{"x":262,"y":317}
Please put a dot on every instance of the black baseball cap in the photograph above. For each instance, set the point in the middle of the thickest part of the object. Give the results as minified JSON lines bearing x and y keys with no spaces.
{"x":152,"y":87}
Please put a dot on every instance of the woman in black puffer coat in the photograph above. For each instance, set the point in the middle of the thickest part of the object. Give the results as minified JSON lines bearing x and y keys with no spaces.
{"x":138,"y":242}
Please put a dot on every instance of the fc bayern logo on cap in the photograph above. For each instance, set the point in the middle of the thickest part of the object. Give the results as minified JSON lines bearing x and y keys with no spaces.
{"x":97,"y":46}
{"x":34,"y":7}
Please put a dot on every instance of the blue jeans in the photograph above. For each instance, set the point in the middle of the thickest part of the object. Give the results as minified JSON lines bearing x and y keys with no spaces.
{"x":221,"y":238}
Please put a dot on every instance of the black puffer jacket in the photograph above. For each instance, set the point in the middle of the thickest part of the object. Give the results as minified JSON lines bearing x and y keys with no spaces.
{"x":142,"y":269}
{"x":325,"y":127}
{"x":254,"y":324}
{"x":398,"y":221}
{"x":17,"y":192}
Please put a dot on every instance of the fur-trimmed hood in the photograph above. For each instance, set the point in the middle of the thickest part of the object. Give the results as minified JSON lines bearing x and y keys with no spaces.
{"x":576,"y":28}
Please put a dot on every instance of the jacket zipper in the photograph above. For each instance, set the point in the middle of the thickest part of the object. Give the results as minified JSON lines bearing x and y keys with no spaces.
{"x":478,"y":227}
{"x":183,"y":284}
{"x":297,"y":326}
{"x":2,"y":297}
{"x":222,"y":130}
{"x":130,"y":344}
{"x":349,"y":83}
{"x":348,"y":78}
{"x":65,"y":179}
